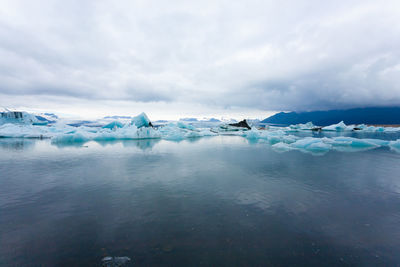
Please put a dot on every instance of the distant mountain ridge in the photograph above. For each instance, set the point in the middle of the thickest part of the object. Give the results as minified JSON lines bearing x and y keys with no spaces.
{"x":375,"y":115}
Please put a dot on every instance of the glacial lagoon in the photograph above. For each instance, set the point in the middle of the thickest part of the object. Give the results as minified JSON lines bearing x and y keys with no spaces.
{"x":211,"y":201}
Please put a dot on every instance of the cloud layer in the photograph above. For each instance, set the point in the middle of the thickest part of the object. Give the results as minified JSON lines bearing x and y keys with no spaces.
{"x":216,"y":55}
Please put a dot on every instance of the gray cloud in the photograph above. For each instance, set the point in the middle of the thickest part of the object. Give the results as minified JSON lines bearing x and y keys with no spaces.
{"x":264,"y":55}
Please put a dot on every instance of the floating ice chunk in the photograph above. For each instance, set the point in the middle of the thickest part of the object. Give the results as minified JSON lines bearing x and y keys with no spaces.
{"x":141,"y":120}
{"x":282,"y":147}
{"x":356,"y":142}
{"x":185,"y":126}
{"x":21,"y":117}
{"x":15,"y":130}
{"x":290,"y":139}
{"x":272,"y":137}
{"x":300,"y":126}
{"x":336,"y":127}
{"x":252,"y":134}
{"x":395,"y":144}
{"x":113,"y":125}
{"x":179,"y":131}
{"x":76,"y":136}
{"x":115,"y":261}
{"x":312,"y":144}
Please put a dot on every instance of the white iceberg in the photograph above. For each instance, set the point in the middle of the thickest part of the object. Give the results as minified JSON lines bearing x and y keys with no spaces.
{"x":336,"y":127}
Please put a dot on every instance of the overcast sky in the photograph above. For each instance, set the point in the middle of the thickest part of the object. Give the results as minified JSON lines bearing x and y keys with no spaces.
{"x":176,"y":59}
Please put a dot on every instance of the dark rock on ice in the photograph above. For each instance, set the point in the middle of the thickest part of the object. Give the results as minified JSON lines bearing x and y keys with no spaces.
{"x":242,"y":123}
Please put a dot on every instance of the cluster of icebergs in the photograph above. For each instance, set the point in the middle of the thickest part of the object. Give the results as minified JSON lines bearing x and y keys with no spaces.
{"x":340,"y":127}
{"x":282,"y":140}
{"x":24,"y":125}
{"x":139,"y":127}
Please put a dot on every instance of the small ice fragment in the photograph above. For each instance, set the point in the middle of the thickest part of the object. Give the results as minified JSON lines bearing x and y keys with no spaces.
{"x":115,"y":261}
{"x":395,"y":144}
{"x":282,"y":147}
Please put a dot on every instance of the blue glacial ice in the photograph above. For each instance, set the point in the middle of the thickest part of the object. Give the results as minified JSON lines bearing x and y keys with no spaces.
{"x":141,"y":120}
{"x":22,"y":125}
{"x":19,"y":117}
{"x":113,"y":125}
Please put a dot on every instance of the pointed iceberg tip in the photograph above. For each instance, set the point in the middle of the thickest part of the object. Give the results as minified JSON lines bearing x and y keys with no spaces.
{"x":142,"y":120}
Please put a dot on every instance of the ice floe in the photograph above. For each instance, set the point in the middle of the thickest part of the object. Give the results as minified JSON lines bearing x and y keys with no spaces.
{"x":24,"y":125}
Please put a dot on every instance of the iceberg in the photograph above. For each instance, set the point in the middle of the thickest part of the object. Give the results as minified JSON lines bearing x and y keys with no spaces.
{"x":312,"y":144}
{"x":179,"y":131}
{"x":16,"y":124}
{"x":355,"y":142}
{"x":16,"y":130}
{"x":20,"y":117}
{"x":282,"y":147}
{"x":142,"y":120}
{"x":336,"y":127}
{"x":113,"y":125}
{"x":231,"y":128}
{"x":300,"y":126}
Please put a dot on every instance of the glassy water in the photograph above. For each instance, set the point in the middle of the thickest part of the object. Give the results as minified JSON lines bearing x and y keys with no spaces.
{"x":219,"y":201}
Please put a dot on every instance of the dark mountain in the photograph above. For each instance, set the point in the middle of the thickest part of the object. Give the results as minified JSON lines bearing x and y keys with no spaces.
{"x":387,"y":115}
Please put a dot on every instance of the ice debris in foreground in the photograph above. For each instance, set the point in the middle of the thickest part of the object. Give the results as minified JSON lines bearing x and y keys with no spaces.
{"x":340,"y":127}
{"x":115,"y":261}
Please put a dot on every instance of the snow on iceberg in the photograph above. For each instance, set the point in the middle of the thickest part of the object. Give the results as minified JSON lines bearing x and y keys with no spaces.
{"x":336,"y":127}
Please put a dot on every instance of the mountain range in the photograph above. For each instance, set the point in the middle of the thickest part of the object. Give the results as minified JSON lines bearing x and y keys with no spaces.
{"x":373,"y":115}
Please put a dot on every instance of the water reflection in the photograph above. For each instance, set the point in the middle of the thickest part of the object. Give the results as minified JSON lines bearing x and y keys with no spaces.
{"x":16,"y":144}
{"x":145,"y":144}
{"x":217,"y":201}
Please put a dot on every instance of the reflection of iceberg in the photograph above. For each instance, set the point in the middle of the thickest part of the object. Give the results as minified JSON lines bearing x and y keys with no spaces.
{"x":143,"y":144}
{"x":15,"y":144}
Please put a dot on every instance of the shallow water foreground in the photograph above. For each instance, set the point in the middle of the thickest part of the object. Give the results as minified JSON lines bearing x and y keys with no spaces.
{"x":218,"y":201}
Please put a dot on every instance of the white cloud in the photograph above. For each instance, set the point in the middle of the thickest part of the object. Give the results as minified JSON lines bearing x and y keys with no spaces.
{"x":212,"y":56}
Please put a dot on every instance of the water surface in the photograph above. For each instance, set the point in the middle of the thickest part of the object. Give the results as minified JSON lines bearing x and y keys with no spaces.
{"x":219,"y":201}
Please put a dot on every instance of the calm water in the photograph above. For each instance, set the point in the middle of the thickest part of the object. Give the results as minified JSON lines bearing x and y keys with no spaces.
{"x":219,"y":201}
